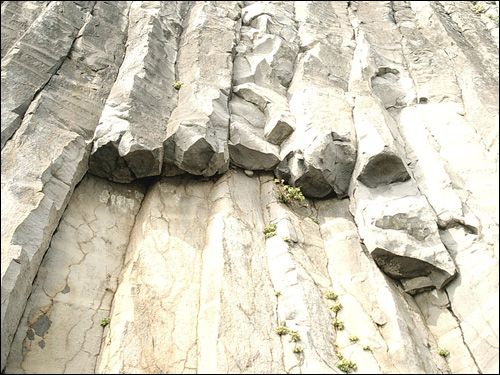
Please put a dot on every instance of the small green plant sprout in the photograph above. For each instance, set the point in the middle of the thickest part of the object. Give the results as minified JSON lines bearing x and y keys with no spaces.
{"x":287,"y":193}
{"x":331,"y":295}
{"x":419,"y":27}
{"x":353,"y":338}
{"x":339,"y":355}
{"x":269,"y":231}
{"x":177,"y":85}
{"x":287,"y":239}
{"x":277,"y":294}
{"x":443,"y":352}
{"x":367,"y":347}
{"x":346,"y":365}
{"x":105,"y":322}
{"x":336,"y":307}
{"x":478,"y":8}
{"x":338,"y":324}
{"x":294,"y":336}
{"x":313,"y":219}
{"x":297,"y":349}
{"x":281,"y":330}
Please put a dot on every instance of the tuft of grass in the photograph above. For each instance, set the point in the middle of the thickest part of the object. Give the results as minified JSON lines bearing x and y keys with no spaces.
{"x":331,"y":295}
{"x":367,"y":347}
{"x":269,"y":231}
{"x":336,"y":307}
{"x":346,"y":365}
{"x":353,"y":338}
{"x":282,"y":330}
{"x":313,"y":219}
{"x":338,"y":324}
{"x":277,"y":294}
{"x":288,"y":194}
{"x":105,"y":321}
{"x":294,"y":336}
{"x":443,"y":352}
{"x":177,"y":85}
{"x":297,"y":349}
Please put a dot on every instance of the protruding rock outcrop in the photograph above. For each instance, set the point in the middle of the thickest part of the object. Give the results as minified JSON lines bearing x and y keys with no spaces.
{"x":128,"y":141}
{"x":197,"y":131}
{"x":250,"y":187}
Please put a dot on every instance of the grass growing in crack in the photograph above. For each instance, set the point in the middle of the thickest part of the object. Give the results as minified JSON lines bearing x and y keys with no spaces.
{"x":288,"y":194}
{"x":297,"y":349}
{"x":277,"y":294}
{"x":177,"y":85}
{"x":443,"y":352}
{"x":336,"y":307}
{"x":346,"y":365}
{"x":353,"y":338}
{"x":269,"y":231}
{"x":281,"y":330}
{"x":367,"y":347}
{"x":287,"y":239}
{"x":338,"y":324}
{"x":294,"y":336}
{"x":313,"y":219}
{"x":331,"y":295}
{"x":105,"y":321}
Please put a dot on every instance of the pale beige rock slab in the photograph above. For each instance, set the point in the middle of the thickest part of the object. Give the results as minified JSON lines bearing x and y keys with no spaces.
{"x":60,"y":331}
{"x":48,"y":156}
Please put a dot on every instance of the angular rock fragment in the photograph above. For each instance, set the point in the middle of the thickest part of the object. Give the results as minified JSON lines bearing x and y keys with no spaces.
{"x":400,"y":231}
{"x":247,"y":147}
{"x":379,"y":162}
{"x":128,"y":143}
{"x":280,"y":123}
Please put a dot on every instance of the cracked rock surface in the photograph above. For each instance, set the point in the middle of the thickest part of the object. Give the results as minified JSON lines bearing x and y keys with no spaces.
{"x":149,"y":151}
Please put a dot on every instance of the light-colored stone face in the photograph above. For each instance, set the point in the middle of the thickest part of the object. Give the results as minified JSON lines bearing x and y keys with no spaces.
{"x":78,"y":277}
{"x":195,"y":116}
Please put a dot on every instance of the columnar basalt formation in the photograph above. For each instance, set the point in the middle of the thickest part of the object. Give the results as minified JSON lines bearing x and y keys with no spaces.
{"x":151,"y":152}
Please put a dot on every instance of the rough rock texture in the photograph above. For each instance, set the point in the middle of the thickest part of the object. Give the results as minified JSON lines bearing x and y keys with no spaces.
{"x":146,"y":148}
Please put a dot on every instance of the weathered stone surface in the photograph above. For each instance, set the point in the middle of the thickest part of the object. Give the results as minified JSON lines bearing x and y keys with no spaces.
{"x":78,"y":277}
{"x":17,"y":17}
{"x":128,"y":142}
{"x":48,"y":156}
{"x":320,"y":154}
{"x":197,"y":131}
{"x":247,"y":146}
{"x":36,"y":56}
{"x":385,"y":114}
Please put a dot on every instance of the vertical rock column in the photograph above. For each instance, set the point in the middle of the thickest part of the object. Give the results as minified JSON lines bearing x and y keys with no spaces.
{"x":48,"y":155}
{"x":61,"y":330}
{"x":128,"y":142}
{"x":394,"y":219}
{"x":455,"y":63}
{"x":197,"y":131}
{"x":36,"y":56}
{"x":263,"y":68}
{"x":320,"y":154}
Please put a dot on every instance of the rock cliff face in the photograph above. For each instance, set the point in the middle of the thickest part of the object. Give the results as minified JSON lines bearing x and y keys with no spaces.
{"x":149,"y":150}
